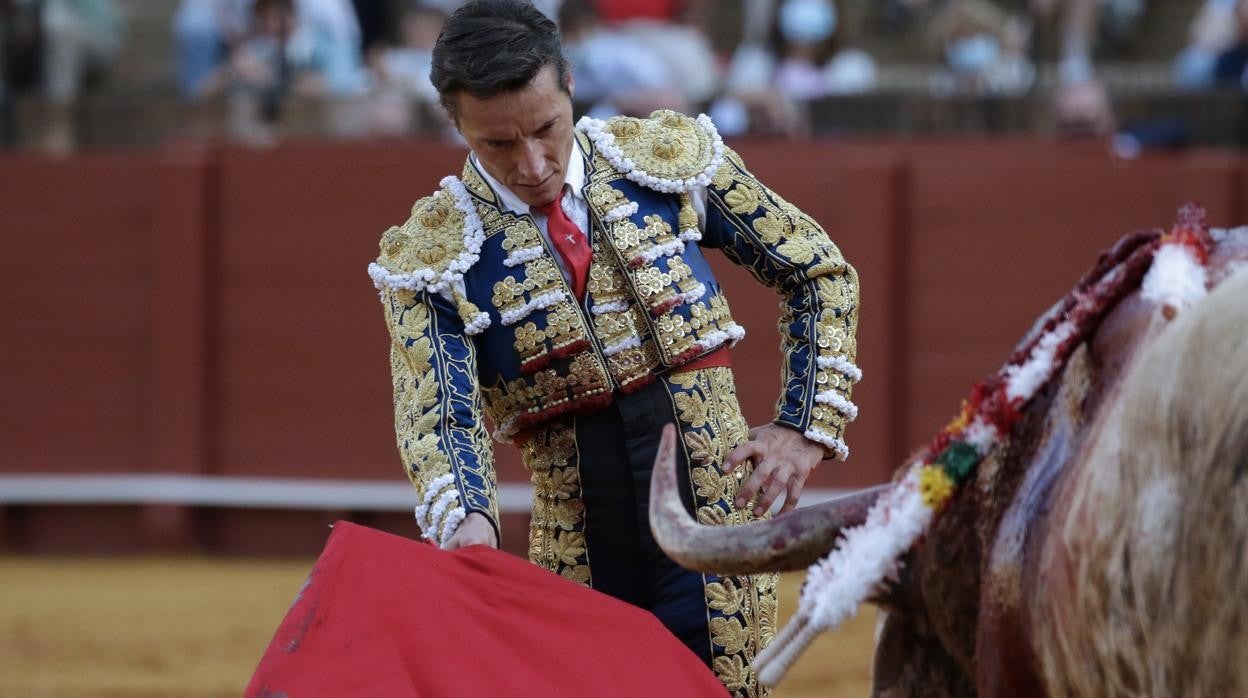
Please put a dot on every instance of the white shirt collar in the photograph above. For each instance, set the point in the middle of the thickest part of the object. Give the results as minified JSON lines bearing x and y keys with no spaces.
{"x":574,"y":178}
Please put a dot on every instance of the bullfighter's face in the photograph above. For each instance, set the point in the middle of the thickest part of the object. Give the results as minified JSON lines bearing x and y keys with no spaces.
{"x":522,"y":138}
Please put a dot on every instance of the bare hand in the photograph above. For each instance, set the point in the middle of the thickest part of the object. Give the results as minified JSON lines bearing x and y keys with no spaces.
{"x":783,"y":459}
{"x":1083,"y":109}
{"x":475,"y":529}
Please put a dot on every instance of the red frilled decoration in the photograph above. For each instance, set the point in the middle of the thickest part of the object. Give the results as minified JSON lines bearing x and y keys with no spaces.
{"x":382,"y":615}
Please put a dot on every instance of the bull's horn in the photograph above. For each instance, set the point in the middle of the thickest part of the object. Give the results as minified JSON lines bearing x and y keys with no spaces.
{"x":789,"y":542}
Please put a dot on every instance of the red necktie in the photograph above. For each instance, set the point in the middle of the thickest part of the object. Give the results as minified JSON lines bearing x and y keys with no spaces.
{"x":569,"y":241}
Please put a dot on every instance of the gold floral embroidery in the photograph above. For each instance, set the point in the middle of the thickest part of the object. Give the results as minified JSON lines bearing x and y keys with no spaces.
{"x":821,"y":291}
{"x":730,"y":634}
{"x":742,"y":609}
{"x":724,"y":596}
{"x":430,"y":443}
{"x":432,"y":236}
{"x":732,"y":672}
{"x":799,"y":250}
{"x":742,"y":200}
{"x":667,"y":145}
{"x":557,"y":526}
{"x":476,"y":184}
{"x":692,"y":408}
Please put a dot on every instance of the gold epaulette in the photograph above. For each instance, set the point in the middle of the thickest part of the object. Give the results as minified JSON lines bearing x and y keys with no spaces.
{"x":432,"y":250}
{"x":427,"y":242}
{"x":667,"y":152}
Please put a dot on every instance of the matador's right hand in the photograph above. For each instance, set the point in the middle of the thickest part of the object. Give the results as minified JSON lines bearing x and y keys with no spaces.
{"x":474,"y":530}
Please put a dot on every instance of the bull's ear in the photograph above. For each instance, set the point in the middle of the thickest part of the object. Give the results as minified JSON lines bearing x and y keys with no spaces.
{"x":894,"y":646}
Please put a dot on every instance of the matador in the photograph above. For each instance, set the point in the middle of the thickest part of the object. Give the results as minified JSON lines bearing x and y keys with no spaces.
{"x":559,"y":288}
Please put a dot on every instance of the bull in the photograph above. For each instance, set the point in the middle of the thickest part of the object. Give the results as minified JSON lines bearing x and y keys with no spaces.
{"x":1098,"y":548}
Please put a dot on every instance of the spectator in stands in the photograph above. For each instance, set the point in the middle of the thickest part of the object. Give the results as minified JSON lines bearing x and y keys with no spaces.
{"x":614,"y":72}
{"x":984,"y":48}
{"x":20,"y":50}
{"x":305,"y":48}
{"x":673,"y":32}
{"x":80,"y":38}
{"x":814,"y":60}
{"x":1231,"y":69}
{"x":333,"y":32}
{"x":404,"y":98}
{"x":205,"y":32}
{"x":792,"y":53}
{"x":1213,"y":31}
{"x":1081,"y":102}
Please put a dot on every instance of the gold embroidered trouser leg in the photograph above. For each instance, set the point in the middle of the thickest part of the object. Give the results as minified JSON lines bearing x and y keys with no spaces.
{"x":591,"y":487}
{"x":741,"y":610}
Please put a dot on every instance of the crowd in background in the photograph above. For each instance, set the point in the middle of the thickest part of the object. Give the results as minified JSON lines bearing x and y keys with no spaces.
{"x":752,"y":64}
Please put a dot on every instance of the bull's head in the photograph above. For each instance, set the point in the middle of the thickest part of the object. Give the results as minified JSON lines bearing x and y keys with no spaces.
{"x":1101,"y":548}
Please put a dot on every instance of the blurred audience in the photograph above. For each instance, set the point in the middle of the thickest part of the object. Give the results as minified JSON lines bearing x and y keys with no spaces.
{"x":793,"y":53}
{"x":983,"y":48}
{"x":1215,"y":54}
{"x":360,"y":67}
{"x":673,"y":33}
{"x":404,"y":99}
{"x":56,"y":49}
{"x":205,"y":32}
{"x":20,"y":48}
{"x":305,"y":48}
{"x":615,"y":73}
{"x":814,"y":60}
{"x":1081,"y":102}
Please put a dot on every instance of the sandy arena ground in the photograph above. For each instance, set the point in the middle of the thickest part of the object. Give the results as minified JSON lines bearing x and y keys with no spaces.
{"x":196,"y":627}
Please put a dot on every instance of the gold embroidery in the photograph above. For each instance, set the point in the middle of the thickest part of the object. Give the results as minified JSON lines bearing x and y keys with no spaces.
{"x":431,"y":443}
{"x":605,"y":198}
{"x":416,"y":398}
{"x":557,"y":526}
{"x":729,"y":634}
{"x":771,"y":228}
{"x":821,"y":291}
{"x":724,"y":596}
{"x":742,"y":200}
{"x":657,"y":229}
{"x":627,"y":238}
{"x":519,"y":235}
{"x":430,"y":238}
{"x":508,"y":293}
{"x":732,"y":672}
{"x":667,"y":145}
{"x":530,"y":341}
{"x":476,"y":184}
{"x":799,"y":250}
{"x":742,"y":609}
{"x":624,"y":129}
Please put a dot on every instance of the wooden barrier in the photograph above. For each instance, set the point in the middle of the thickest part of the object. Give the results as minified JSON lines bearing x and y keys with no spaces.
{"x":206,"y":311}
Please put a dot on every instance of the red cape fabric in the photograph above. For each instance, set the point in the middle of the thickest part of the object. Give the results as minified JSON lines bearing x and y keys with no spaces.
{"x":382,"y":615}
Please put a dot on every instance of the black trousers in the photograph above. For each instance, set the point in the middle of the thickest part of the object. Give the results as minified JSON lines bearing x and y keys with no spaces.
{"x":618,"y":445}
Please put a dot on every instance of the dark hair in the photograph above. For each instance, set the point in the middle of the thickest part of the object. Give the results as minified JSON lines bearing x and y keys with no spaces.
{"x":489,"y":47}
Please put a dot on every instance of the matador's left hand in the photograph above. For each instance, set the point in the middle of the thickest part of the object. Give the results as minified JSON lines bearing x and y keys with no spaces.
{"x":783,"y":459}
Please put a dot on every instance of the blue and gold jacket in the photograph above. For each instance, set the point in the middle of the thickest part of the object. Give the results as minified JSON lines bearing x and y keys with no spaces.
{"x":483,"y":321}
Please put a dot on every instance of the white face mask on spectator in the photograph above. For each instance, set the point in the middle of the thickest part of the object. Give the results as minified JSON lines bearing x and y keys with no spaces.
{"x":972,"y":54}
{"x":807,"y":21}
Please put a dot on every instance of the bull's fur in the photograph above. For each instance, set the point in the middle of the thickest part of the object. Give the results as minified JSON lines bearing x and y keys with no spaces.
{"x":1152,"y":535}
